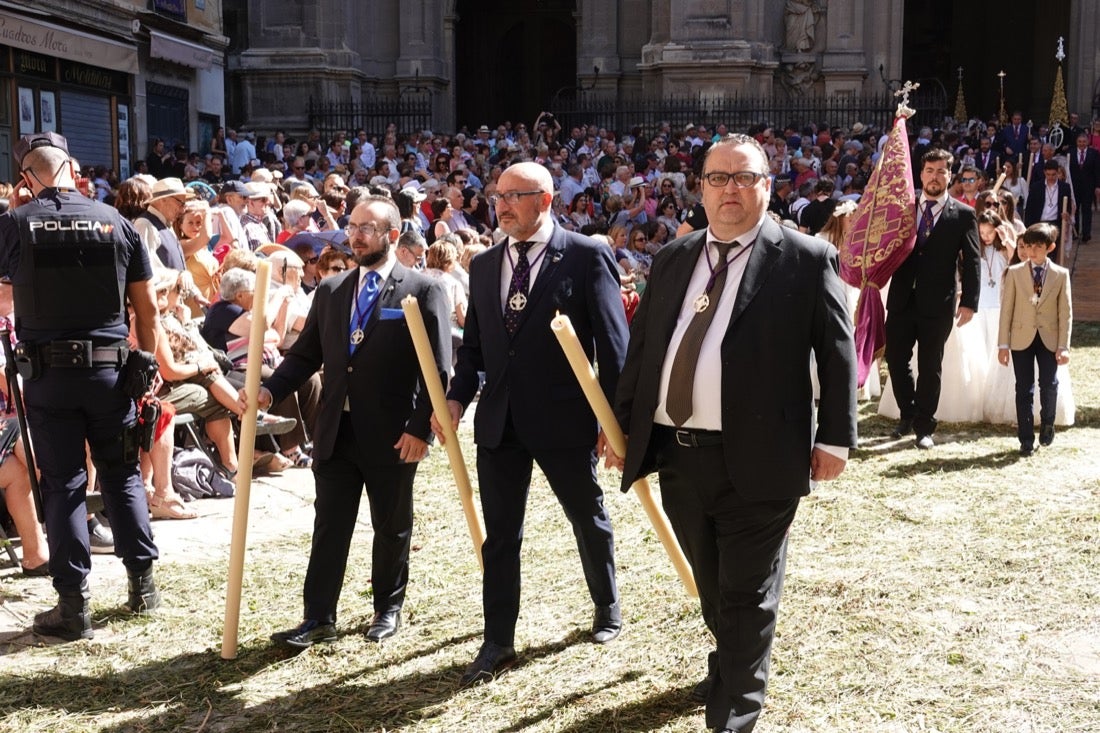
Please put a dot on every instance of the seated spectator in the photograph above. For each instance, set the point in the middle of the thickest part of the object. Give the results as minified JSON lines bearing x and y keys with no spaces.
{"x":331,"y":262}
{"x":193,"y":229}
{"x":442,"y":259}
{"x":287,"y":271}
{"x":15,"y":484}
{"x":228,"y":326}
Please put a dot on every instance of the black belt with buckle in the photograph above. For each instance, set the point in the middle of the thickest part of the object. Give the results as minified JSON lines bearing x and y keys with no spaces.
{"x":82,"y":354}
{"x":693,"y":438}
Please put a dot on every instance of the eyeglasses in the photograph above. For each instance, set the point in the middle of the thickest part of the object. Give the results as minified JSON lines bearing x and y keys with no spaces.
{"x":968,"y":179}
{"x":337,"y":269}
{"x":666,"y":184}
{"x":365,"y":230}
{"x":512,"y":197}
{"x":312,"y":260}
{"x":743,"y":179}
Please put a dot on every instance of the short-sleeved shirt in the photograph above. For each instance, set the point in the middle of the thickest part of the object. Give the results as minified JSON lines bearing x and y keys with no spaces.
{"x":132,"y":264}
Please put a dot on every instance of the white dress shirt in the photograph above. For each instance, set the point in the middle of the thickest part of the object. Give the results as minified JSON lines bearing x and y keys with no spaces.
{"x":707,"y":391}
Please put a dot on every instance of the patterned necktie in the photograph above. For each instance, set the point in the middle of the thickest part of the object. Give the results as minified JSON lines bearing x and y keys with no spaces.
{"x":517,"y":289}
{"x":679,"y":402}
{"x":927,"y":220}
{"x":368,"y":294}
{"x":1037,"y":278}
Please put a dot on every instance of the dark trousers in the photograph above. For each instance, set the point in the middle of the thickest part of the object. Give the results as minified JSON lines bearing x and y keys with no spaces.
{"x":340,"y":482}
{"x":1084,"y":213}
{"x":65,"y":407}
{"x":737,"y":550}
{"x":1023,"y":363}
{"x":504,"y":475}
{"x":904,"y":329}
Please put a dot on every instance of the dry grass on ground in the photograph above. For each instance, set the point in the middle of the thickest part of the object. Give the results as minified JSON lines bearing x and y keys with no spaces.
{"x":954,"y":590}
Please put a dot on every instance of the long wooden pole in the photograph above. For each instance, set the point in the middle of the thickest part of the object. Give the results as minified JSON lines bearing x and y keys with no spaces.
{"x":245,"y":453}
{"x":571,"y":345}
{"x":428,"y":368}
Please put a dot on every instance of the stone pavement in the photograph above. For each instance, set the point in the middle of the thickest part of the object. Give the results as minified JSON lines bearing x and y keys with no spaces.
{"x":277,"y":505}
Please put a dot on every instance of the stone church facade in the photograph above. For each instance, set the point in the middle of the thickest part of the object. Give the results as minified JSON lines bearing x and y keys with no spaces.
{"x":488,"y":60}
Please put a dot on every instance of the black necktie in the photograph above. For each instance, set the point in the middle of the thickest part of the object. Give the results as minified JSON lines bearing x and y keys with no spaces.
{"x":517,"y":289}
{"x":681,"y":380}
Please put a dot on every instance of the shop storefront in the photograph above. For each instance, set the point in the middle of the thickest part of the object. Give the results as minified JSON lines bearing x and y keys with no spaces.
{"x":68,"y":81}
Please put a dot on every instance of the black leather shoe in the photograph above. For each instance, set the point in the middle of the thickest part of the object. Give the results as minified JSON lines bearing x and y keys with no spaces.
{"x":701,"y":691}
{"x":607,"y":623}
{"x":1026,"y":450}
{"x":904,"y":427}
{"x":1046,"y":435}
{"x":384,"y":625}
{"x":491,"y":660}
{"x":305,"y":635}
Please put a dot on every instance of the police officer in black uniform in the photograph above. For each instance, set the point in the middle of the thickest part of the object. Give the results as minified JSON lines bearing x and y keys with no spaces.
{"x":73,"y":262}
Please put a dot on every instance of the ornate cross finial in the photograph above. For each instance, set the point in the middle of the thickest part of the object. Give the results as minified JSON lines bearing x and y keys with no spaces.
{"x":1002,"y":74}
{"x":1061,"y":55}
{"x":903,"y":106}
{"x":960,"y":73}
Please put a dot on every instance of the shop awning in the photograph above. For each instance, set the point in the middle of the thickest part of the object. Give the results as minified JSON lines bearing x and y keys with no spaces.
{"x":71,"y":45}
{"x":179,"y":51}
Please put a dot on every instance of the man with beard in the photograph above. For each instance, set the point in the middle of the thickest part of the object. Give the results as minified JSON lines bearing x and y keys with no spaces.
{"x":373,"y":426}
{"x":921,"y":304}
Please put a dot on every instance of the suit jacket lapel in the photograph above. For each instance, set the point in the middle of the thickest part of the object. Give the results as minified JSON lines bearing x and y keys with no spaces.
{"x":545,"y":278}
{"x":494,"y":256}
{"x":680,"y":271}
{"x":761,"y":260}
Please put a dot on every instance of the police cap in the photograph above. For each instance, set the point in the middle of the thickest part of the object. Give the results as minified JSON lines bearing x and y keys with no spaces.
{"x":27,"y":143}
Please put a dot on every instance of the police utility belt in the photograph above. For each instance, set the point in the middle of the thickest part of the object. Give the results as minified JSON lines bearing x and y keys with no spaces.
{"x":72,"y":354}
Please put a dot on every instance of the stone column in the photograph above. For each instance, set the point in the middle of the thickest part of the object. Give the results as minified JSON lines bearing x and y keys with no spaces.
{"x":712,"y":47}
{"x":598,"y":44}
{"x":1082,"y":62}
{"x":844,"y":63}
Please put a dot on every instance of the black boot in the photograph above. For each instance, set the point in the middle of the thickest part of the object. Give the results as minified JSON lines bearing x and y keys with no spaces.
{"x":144,"y":596}
{"x":70,"y":619}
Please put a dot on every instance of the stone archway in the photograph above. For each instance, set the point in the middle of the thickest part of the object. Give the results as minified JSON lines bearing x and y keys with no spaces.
{"x":510,"y":58}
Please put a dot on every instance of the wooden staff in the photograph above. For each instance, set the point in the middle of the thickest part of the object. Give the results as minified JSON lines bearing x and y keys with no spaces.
{"x":1067,"y":231}
{"x":426,"y":357}
{"x":244,"y":464}
{"x":1000,"y":180}
{"x":597,"y":400}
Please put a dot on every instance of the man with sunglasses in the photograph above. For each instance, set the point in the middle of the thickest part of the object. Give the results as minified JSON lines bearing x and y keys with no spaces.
{"x":715,"y":395}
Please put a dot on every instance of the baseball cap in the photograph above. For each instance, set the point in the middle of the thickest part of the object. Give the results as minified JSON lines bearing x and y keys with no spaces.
{"x":27,"y":143}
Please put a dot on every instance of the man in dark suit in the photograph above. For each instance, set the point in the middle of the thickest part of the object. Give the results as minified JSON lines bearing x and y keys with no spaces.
{"x":718,"y":399}
{"x":1084,"y":173}
{"x":532,"y":408}
{"x":921,"y":303}
{"x":373,"y":426}
{"x":1047,"y":198}
{"x":986,"y":160}
{"x":1013,"y":137}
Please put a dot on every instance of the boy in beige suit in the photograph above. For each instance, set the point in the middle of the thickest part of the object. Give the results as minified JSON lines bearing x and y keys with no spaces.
{"x":1036,"y":314}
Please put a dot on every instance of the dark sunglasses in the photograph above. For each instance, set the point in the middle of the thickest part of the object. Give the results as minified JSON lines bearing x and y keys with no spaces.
{"x":312,"y":260}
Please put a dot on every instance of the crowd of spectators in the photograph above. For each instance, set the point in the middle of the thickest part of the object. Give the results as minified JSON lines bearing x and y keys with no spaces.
{"x":288,"y":198}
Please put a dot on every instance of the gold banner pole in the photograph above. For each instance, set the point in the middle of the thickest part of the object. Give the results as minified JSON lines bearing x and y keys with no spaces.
{"x":571,"y":345}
